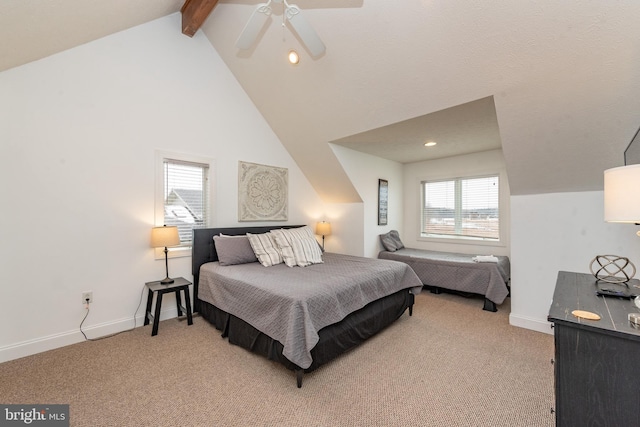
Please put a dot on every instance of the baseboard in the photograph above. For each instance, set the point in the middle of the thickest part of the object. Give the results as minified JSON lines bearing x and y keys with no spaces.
{"x":530,"y":323}
{"x":51,"y":342}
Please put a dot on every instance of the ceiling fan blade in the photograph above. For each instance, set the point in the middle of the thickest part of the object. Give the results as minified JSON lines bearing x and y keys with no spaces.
{"x":305,"y":31}
{"x":255,"y":23}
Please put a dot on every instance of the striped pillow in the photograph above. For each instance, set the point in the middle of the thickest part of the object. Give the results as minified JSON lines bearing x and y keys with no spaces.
{"x":265,"y":248}
{"x":284,"y":245}
{"x":298,"y":246}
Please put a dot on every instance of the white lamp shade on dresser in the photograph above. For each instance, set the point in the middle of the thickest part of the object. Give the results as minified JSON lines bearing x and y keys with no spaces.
{"x":622,"y":194}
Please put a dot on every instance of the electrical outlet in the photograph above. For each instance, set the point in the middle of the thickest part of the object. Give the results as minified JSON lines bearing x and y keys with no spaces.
{"x":87,"y":295}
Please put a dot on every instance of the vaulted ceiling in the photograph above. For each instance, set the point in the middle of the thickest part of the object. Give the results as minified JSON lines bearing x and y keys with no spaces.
{"x":562,"y":78}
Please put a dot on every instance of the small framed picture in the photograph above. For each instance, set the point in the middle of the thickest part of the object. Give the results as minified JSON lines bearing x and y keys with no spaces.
{"x":383,"y":201}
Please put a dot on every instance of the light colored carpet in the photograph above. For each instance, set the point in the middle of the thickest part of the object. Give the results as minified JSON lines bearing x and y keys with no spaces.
{"x":450,"y":364}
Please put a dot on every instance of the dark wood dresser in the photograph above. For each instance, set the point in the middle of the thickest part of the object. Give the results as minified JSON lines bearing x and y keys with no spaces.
{"x":597,"y":362}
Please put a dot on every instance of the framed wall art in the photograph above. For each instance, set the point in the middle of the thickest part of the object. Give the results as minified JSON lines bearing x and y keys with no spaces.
{"x":383,"y":201}
{"x":262,"y":192}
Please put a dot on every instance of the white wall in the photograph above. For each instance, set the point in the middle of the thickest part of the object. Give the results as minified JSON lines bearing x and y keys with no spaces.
{"x":78,"y":134}
{"x":347,"y":233}
{"x":558,"y":232}
{"x":364,"y":170}
{"x":484,"y":163}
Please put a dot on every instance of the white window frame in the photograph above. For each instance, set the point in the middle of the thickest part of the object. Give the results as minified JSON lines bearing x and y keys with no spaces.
{"x":183,"y":250}
{"x":502,"y":203}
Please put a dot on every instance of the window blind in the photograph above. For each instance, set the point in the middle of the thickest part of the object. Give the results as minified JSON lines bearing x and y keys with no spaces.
{"x":185,"y":196}
{"x":462,"y":207}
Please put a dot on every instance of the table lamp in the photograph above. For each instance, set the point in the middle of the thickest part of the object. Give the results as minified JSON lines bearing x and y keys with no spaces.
{"x":323,"y":229}
{"x":622,"y":194}
{"x":165,"y":236}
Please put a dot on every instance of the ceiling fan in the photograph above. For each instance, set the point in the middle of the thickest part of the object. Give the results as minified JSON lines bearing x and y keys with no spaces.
{"x":293,"y":14}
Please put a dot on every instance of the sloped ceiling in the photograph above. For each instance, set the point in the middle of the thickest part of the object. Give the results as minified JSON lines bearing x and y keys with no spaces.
{"x":34,"y":29}
{"x":564,"y":76}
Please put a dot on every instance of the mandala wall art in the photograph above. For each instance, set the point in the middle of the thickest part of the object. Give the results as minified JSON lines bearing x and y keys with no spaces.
{"x":262,"y":192}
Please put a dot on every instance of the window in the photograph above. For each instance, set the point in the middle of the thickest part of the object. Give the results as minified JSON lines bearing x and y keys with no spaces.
{"x":466,"y":208}
{"x":183,"y":194}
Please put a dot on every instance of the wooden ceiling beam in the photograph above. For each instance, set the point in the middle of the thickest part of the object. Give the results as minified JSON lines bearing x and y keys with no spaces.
{"x":194,"y":13}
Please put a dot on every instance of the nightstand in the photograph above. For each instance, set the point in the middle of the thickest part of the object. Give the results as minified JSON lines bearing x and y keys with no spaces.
{"x":179,"y":284}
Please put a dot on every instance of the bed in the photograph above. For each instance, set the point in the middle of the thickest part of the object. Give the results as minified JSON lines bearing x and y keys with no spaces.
{"x":301,"y":317}
{"x":458,"y":272}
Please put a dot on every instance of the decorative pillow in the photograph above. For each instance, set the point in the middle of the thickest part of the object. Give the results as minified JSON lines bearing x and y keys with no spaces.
{"x":284,"y":246}
{"x":234,"y":250}
{"x":265,"y":248}
{"x":298,"y":246}
{"x":396,"y":239}
{"x":391,"y":241}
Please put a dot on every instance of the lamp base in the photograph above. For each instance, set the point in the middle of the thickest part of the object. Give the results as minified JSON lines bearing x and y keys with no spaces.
{"x":166,"y":281}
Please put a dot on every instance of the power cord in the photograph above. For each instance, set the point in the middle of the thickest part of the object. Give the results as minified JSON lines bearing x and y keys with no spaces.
{"x":117,"y":333}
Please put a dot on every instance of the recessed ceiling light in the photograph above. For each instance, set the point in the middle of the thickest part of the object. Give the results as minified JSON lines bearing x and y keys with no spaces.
{"x":430,"y":144}
{"x":293,"y":57}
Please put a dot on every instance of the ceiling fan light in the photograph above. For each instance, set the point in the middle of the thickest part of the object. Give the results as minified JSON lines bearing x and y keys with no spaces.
{"x":293,"y":57}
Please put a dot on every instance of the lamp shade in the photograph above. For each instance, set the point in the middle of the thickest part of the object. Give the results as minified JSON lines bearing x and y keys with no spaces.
{"x":622,"y":194}
{"x":164,"y":236}
{"x":323,"y":228}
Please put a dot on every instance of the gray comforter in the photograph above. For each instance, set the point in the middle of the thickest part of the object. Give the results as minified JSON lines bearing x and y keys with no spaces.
{"x":457,"y":271}
{"x":291,"y":304}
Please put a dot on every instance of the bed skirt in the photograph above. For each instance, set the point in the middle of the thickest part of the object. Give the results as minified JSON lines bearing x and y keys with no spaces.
{"x":333,"y":339}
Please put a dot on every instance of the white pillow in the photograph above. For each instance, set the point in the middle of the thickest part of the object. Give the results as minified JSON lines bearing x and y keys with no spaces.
{"x":298,"y":246}
{"x":284,"y":246}
{"x":265,"y":248}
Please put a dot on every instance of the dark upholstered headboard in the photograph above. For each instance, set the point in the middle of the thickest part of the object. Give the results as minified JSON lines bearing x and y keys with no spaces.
{"x":203,"y":249}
